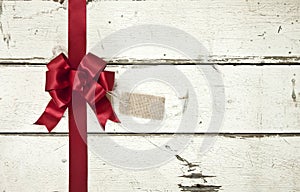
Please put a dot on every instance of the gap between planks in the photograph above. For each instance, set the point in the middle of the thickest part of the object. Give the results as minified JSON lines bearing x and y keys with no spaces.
{"x":160,"y":63}
{"x":229,"y":135}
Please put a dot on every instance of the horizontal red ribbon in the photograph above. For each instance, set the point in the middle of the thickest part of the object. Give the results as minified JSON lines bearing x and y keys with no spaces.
{"x":89,"y":80}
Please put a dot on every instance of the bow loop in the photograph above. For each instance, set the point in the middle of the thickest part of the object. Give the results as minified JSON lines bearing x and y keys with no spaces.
{"x":80,"y":80}
{"x":92,"y":65}
{"x":57,"y":79}
{"x":93,"y":92}
{"x":61,"y":97}
{"x":106,"y":79}
{"x":59,"y":62}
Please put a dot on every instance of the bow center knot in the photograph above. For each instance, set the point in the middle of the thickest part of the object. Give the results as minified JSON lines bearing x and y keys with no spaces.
{"x":80,"y":80}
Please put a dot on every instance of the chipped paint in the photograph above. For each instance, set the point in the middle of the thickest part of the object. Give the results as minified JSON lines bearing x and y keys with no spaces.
{"x":1,"y":3}
{"x":7,"y":39}
{"x":59,"y":1}
{"x":195,"y":175}
{"x":199,"y":188}
{"x":190,"y":165}
{"x":279,"y":29}
{"x":294,"y":97}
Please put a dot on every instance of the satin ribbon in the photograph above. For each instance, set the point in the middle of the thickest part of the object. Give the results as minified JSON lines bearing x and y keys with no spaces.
{"x":78,"y":155}
{"x":62,"y":80}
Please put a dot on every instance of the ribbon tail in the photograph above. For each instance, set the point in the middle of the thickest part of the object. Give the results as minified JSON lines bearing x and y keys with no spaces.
{"x":104,"y":111}
{"x":51,"y":116}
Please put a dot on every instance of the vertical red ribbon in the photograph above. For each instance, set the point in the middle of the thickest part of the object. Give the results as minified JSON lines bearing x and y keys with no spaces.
{"x":78,"y":165}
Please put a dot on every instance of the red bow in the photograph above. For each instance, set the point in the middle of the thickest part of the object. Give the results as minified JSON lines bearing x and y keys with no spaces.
{"x":89,"y":80}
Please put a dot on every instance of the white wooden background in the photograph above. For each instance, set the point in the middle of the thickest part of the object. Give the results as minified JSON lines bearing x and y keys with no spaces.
{"x":257,"y":148}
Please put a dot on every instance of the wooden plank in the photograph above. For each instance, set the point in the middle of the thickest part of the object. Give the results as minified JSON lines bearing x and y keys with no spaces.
{"x":257,"y":99}
{"x":234,"y":164}
{"x":231,"y":31}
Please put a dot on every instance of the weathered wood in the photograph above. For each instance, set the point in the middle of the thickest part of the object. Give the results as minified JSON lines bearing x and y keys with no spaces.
{"x":258,"y":99}
{"x":36,"y":163}
{"x":232,"y":30}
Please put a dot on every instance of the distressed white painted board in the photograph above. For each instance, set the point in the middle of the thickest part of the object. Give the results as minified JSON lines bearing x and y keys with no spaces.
{"x":231,"y":30}
{"x":40,"y":163}
{"x":258,"y":99}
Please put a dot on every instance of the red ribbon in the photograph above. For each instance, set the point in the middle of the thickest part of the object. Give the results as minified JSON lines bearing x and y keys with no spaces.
{"x":61,"y":82}
{"x":89,"y":83}
{"x":78,"y":172}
